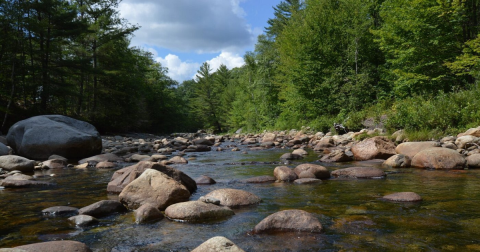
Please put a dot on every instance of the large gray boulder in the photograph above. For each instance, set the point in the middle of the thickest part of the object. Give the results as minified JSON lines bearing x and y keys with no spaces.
{"x":41,"y":136}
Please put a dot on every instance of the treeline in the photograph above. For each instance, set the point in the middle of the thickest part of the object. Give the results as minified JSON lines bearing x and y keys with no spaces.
{"x":73,"y":58}
{"x":326,"y":61}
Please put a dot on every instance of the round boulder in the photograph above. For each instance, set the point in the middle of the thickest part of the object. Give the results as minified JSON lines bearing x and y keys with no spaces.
{"x":403,"y":197}
{"x":473,"y":161}
{"x":439,"y":158}
{"x":195,"y":211}
{"x":358,"y":172}
{"x":218,"y":243}
{"x":303,"y":181}
{"x":410,"y":149}
{"x":289,"y":221}
{"x":42,"y":136}
{"x":234,"y":197}
{"x":397,"y":161}
{"x":319,"y":171}
{"x":373,"y":148}
{"x":147,"y":213}
{"x":283,"y":173}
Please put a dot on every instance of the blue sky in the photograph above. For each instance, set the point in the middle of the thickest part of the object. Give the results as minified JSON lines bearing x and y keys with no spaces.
{"x":182,"y":34}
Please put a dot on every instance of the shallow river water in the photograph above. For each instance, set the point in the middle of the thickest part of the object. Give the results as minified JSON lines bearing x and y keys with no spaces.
{"x":351,"y":212}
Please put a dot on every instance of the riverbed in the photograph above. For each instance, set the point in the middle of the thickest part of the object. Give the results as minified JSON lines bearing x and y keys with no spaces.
{"x":351,"y":211}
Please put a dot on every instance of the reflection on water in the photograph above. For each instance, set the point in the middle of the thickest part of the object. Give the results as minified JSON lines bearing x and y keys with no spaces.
{"x":353,"y":217}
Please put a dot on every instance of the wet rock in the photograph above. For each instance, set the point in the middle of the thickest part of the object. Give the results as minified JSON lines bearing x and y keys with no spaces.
{"x":373,"y":148}
{"x":300,"y":152}
{"x":54,"y":164}
{"x":439,"y":158}
{"x":107,"y":157}
{"x":319,"y":171}
{"x":410,"y":149}
{"x":21,"y":180}
{"x":234,"y":197}
{"x":56,"y":246}
{"x":203,"y":141}
{"x":138,"y":158}
{"x":155,"y":188}
{"x":13,"y":162}
{"x":195,"y":211}
{"x":358,"y":172}
{"x":403,"y":196}
{"x":209,"y":200}
{"x":218,"y":244}
{"x":467,"y":141}
{"x":57,"y":157}
{"x":83,"y":220}
{"x":4,"y":150}
{"x":102,"y":208}
{"x":198,"y":148}
{"x":157,"y":157}
{"x":283,"y":173}
{"x":336,"y":156}
{"x":147,"y":213}
{"x":260,"y":179}
{"x":105,"y":165}
{"x":289,"y":221}
{"x":397,"y":161}
{"x":178,"y":160}
{"x":123,"y":177}
{"x":302,"y":181}
{"x":60,"y":210}
{"x":290,"y":156}
{"x":473,"y":161}
{"x":41,"y":136}
{"x":205,"y":180}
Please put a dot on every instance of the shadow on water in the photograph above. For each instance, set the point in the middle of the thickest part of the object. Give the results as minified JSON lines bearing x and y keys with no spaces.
{"x":351,"y":212}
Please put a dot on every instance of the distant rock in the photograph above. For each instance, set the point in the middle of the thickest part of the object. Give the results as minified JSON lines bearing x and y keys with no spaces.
{"x":205,"y":180}
{"x":107,"y":157}
{"x":290,"y":156}
{"x":373,"y":148}
{"x":336,"y":156}
{"x":302,"y":181}
{"x":300,"y":152}
{"x":42,"y":136}
{"x":178,"y":160}
{"x":54,"y":164}
{"x":260,"y":179}
{"x":403,"y":197}
{"x":319,"y":171}
{"x":358,"y":172}
{"x":397,"y":161}
{"x":289,"y":221}
{"x":283,"y":173}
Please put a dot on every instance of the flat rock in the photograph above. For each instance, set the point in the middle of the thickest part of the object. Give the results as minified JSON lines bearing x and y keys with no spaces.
{"x":195,"y":211}
{"x":42,"y":136}
{"x":373,"y":148}
{"x":60,"y":211}
{"x":234,"y":197}
{"x":260,"y":179}
{"x":83,"y":220}
{"x":155,"y":188}
{"x":102,"y":208}
{"x":289,"y":221}
{"x":302,"y":181}
{"x":358,"y":172}
{"x":439,"y":158}
{"x":397,"y":161}
{"x":319,"y":171}
{"x":56,"y":246}
{"x":13,"y":162}
{"x":410,"y":149}
{"x":205,"y":180}
{"x":107,"y":157}
{"x":218,"y":244}
{"x":21,"y":181}
{"x":283,"y":173}
{"x":403,"y":196}
{"x":147,"y":213}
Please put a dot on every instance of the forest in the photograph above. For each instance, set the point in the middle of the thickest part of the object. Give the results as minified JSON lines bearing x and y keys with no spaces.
{"x":410,"y":65}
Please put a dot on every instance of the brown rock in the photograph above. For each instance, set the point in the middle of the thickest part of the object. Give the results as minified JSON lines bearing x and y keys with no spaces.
{"x":290,"y":156}
{"x":56,"y":246}
{"x":410,"y":149}
{"x":102,"y":208}
{"x":195,"y":211}
{"x":234,"y":197}
{"x":178,"y":160}
{"x":153,"y":187}
{"x":107,"y":157}
{"x":289,"y":221}
{"x":54,"y":164}
{"x":105,"y":165}
{"x":473,"y":161}
{"x":472,"y":132}
{"x":336,"y":156}
{"x":324,"y":143}
{"x":438,"y":158}
{"x":466,"y":141}
{"x":260,"y":179}
{"x":300,"y":152}
{"x":147,"y":213}
{"x":218,"y":244}
{"x":373,"y":148}
{"x":403,"y":196}
{"x":358,"y":172}
{"x":319,"y":171}
{"x":205,"y":180}
{"x":397,"y":161}
{"x":269,"y":137}
{"x":306,"y":174}
{"x":283,"y":173}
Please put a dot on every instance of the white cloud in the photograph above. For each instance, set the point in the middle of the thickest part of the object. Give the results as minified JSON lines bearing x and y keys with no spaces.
{"x":202,"y":26}
{"x":228,"y":59}
{"x":177,"y":69}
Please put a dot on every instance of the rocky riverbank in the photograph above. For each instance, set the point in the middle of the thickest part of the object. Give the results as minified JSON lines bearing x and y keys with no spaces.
{"x":154,"y":189}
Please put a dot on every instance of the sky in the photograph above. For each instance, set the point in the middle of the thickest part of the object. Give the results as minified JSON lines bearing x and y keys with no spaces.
{"x":182,"y":34}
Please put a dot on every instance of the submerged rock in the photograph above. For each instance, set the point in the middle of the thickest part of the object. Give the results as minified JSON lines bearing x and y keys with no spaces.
{"x":83,"y":220}
{"x":289,"y":221}
{"x":358,"y":172}
{"x":260,"y":179}
{"x":403,"y":196}
{"x":60,"y":210}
